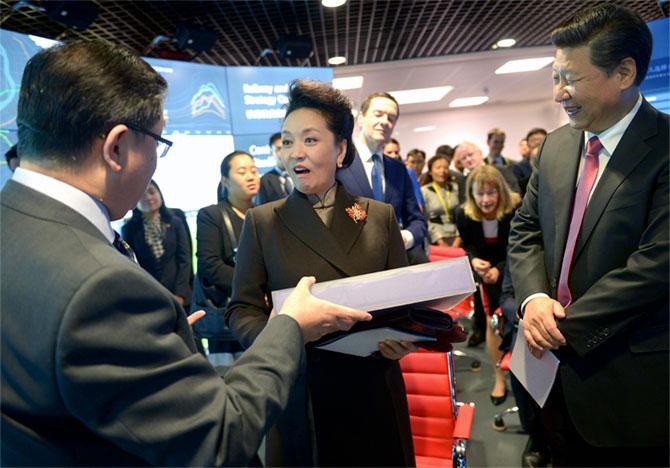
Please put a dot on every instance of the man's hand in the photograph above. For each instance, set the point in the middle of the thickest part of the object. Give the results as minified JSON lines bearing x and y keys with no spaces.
{"x":317,"y":317}
{"x":395,"y":350}
{"x":539,"y":323}
{"x":195,"y":316}
{"x":480,"y":266}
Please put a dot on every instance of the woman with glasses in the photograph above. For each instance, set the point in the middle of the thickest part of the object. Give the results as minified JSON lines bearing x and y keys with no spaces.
{"x":160,"y":243}
{"x":483,"y":222}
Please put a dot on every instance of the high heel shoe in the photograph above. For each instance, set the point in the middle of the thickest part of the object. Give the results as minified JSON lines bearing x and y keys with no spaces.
{"x":499,"y":400}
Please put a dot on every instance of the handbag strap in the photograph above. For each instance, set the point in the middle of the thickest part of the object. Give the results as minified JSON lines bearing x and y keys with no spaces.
{"x":229,"y":227}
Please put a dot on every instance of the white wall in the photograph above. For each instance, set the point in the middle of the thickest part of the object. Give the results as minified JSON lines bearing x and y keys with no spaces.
{"x":473,"y":123}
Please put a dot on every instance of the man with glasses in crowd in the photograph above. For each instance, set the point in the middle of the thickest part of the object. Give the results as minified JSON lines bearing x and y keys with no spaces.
{"x":99,"y":365}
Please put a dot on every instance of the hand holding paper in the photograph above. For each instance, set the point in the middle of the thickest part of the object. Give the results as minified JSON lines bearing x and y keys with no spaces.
{"x":540,"y":330}
{"x":317,"y":317}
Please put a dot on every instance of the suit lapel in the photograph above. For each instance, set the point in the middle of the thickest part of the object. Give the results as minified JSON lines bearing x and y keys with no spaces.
{"x":565,"y":165}
{"x":300,"y":219}
{"x":354,"y":176}
{"x":392,"y":181}
{"x":630,"y":151}
{"x":343,"y":228}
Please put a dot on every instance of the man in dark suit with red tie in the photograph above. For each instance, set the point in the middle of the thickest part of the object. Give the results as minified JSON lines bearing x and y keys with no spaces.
{"x":589,"y":252}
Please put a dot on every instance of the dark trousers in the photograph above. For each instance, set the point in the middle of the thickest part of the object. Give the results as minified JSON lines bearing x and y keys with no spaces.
{"x":568,"y":448}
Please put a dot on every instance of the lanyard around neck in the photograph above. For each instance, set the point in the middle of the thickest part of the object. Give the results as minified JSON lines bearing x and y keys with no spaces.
{"x":445,"y":206}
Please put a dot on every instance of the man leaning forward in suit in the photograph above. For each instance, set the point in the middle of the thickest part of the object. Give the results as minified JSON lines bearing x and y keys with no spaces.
{"x":591,"y":275}
{"x":99,"y":366}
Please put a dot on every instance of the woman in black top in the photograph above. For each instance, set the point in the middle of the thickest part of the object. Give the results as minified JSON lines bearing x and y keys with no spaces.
{"x":216,"y":249}
{"x":483,"y":223}
{"x":160,"y":243}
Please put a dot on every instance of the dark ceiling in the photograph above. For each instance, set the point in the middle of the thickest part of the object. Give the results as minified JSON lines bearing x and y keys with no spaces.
{"x":365,"y":31}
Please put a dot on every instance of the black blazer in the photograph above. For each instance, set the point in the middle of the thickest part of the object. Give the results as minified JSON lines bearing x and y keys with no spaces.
{"x":359,"y":409}
{"x":472,"y":235}
{"x":271,"y":188}
{"x":216,"y":259}
{"x":173,"y":269}
{"x":617,"y":325}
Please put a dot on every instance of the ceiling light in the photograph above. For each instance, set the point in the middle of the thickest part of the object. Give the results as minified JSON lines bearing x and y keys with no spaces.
{"x":468,"y":101}
{"x":524,"y":65}
{"x":413,"y":96}
{"x":507,"y":42}
{"x":429,"y":128}
{"x":338,"y":60}
{"x":333,"y":3}
{"x":651,"y":98}
{"x":348,"y":82}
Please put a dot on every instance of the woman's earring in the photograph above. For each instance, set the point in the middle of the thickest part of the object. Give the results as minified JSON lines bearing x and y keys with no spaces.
{"x":339,"y":164}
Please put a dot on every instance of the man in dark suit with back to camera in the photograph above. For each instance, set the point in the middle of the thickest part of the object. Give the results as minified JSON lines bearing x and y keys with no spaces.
{"x":374,"y":175}
{"x":589,"y":253}
{"x":99,"y":366}
{"x":275,"y":184}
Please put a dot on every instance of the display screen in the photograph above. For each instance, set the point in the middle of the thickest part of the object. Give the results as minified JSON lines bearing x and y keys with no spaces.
{"x":209,"y":111}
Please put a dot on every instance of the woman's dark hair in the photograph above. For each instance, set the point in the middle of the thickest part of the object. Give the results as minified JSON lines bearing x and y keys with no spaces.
{"x":165,"y":215}
{"x":334,"y":106}
{"x":612,"y":32}
{"x":75,"y":92}
{"x":428,"y":177}
{"x":222,"y":193}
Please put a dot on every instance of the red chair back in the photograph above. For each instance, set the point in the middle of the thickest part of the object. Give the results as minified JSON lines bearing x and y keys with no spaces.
{"x":429,"y":384}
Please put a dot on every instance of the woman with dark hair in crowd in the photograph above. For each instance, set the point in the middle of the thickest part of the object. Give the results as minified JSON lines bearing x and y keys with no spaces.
{"x":483,"y":222}
{"x":160,"y":243}
{"x":345,"y":410}
{"x":218,"y":233}
{"x":440,"y":192}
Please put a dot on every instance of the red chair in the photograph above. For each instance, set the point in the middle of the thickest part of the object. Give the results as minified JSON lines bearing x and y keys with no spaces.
{"x":440,"y":426}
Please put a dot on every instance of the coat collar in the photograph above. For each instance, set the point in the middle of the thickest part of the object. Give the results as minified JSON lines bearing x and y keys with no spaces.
{"x":37,"y":204}
{"x":333,"y":245}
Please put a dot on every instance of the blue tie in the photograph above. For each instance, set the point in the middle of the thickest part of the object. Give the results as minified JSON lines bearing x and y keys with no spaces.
{"x":377,"y":187}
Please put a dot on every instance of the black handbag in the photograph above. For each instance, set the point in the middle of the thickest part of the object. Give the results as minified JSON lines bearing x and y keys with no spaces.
{"x":213,"y":325}
{"x":412,"y":319}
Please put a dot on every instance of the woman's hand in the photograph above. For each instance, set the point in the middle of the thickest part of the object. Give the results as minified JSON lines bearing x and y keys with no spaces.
{"x":491,"y":276}
{"x":179,"y":299}
{"x":480,"y":266}
{"x":395,"y":350}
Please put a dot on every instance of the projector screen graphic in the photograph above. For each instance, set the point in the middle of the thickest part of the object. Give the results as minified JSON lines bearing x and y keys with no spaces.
{"x":209,"y":111}
{"x":197,"y":100}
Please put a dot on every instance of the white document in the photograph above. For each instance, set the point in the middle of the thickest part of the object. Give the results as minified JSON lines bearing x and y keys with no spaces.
{"x":537,"y":375}
{"x":366,"y":342}
{"x":438,"y":285}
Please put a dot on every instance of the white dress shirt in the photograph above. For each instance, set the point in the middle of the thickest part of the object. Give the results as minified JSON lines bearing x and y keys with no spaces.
{"x":79,"y":201}
{"x":366,"y":158}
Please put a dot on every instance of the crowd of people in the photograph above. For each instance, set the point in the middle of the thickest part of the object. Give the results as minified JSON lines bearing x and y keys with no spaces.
{"x":99,"y":361}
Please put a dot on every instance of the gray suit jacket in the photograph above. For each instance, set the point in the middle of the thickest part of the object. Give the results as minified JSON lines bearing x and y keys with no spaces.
{"x":98,"y":361}
{"x":614,"y":371}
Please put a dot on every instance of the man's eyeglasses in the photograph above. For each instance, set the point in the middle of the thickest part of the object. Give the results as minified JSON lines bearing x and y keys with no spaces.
{"x":162,"y":145}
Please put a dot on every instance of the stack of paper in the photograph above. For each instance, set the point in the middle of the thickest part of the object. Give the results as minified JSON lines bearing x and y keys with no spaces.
{"x":435,"y":285}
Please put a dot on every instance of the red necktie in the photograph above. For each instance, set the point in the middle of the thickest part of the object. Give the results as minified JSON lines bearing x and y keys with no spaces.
{"x":584,"y":187}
